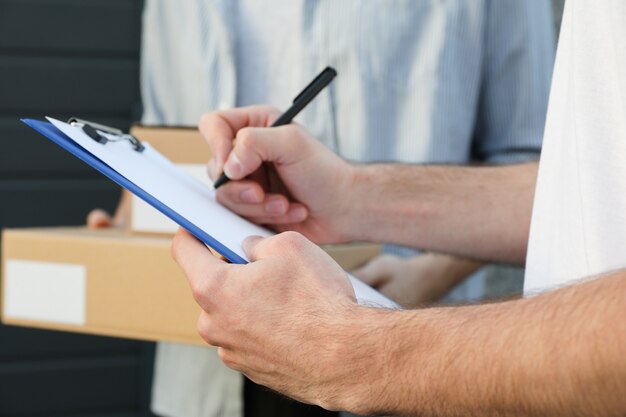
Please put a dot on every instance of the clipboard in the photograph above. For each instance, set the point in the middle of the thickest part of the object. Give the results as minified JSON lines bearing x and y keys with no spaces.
{"x":50,"y":131}
{"x":146,"y":173}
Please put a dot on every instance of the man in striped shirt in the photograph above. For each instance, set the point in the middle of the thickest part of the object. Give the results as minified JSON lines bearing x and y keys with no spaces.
{"x":419,"y":82}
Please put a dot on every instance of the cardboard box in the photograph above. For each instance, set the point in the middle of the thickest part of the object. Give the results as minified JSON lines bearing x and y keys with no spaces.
{"x":187,"y":149}
{"x":107,"y":282}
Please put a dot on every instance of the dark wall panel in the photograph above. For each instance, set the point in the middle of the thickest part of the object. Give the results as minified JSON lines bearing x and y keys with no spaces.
{"x":94,"y":27}
{"x":21,"y":344}
{"x":26,"y":154}
{"x":28,"y":203}
{"x":79,"y":385}
{"x":57,"y":85}
{"x":65,"y":58}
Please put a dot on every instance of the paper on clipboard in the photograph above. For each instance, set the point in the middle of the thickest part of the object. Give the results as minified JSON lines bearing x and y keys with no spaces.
{"x":183,"y":198}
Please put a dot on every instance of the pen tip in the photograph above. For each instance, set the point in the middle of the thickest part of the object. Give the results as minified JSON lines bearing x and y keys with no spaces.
{"x":223,"y":179}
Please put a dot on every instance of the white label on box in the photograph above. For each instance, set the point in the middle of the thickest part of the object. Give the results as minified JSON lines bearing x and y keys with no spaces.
{"x":45,"y":291}
{"x":146,"y":218}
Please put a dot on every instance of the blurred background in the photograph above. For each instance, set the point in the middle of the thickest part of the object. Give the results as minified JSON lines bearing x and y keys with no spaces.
{"x":65,"y":58}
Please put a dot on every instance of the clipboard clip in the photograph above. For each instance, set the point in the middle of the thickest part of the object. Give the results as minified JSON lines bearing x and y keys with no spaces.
{"x":94,"y":130}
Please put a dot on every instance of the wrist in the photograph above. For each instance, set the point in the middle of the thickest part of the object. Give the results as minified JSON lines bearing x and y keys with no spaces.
{"x":408,"y":353}
{"x":362,"y":198}
{"x":353,"y":194}
{"x":385,"y":199}
{"x":375,"y":357}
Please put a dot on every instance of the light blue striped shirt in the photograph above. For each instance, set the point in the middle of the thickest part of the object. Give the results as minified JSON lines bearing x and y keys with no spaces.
{"x":420,"y":81}
{"x":428,"y":81}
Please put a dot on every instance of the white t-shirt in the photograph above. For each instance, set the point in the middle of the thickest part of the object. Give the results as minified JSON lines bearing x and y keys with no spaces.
{"x":579,"y":220}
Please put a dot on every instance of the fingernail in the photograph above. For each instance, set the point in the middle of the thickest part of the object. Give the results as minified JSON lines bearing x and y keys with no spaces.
{"x":275,"y":207}
{"x":298,"y":213}
{"x":233,"y":167}
{"x":249,"y":196}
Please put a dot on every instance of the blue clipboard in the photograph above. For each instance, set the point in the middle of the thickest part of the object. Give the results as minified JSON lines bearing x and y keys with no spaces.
{"x":51,"y":132}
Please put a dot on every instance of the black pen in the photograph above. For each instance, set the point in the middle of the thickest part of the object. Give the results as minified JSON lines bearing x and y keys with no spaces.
{"x":299,"y":103}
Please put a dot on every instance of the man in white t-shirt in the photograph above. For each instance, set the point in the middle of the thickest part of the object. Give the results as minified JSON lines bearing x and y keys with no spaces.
{"x":559,"y":353}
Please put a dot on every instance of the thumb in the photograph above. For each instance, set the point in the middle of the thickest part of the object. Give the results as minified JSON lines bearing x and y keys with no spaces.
{"x":255,"y":145}
{"x":250,"y":247}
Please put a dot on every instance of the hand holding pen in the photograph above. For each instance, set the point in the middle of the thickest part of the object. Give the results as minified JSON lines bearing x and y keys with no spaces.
{"x":299,"y":103}
{"x":285,"y":178}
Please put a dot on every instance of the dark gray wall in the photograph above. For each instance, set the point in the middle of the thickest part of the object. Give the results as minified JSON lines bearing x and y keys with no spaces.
{"x":63,"y":58}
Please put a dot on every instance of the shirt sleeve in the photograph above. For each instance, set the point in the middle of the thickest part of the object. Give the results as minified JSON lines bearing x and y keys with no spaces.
{"x":519,"y":52}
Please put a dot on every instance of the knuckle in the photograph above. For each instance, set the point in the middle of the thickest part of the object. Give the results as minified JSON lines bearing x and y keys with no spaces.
{"x":270,"y":112}
{"x":204,"y":329}
{"x":246,"y":138}
{"x":223,"y":355}
{"x":197,"y":290}
{"x":204,"y":288}
{"x":287,"y":243}
{"x":207,"y":120}
{"x":208,"y":337}
{"x":293,"y":239}
{"x":226,"y":357}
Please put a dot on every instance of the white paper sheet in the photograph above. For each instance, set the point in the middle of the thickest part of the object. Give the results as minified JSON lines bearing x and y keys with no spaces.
{"x":147,"y":219}
{"x":188,"y":197}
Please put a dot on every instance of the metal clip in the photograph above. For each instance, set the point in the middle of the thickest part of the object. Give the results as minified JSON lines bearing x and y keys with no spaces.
{"x":94,"y":130}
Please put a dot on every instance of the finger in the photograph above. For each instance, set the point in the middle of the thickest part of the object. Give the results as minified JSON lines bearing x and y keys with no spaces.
{"x":220,"y":128}
{"x":274,"y":207}
{"x":375,"y":273}
{"x":241,"y":192}
{"x":207,"y":330}
{"x":249,"y":246}
{"x":257,"y":248}
{"x":238,"y":118}
{"x":204,"y":272}
{"x":212,"y":169}
{"x":219,"y":136}
{"x":195,"y":259}
{"x":227,"y":356}
{"x":98,"y":219}
{"x":254,"y":146}
{"x":296,"y":214}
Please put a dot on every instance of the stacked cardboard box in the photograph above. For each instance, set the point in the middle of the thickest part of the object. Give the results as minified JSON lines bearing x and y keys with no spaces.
{"x":107,"y":282}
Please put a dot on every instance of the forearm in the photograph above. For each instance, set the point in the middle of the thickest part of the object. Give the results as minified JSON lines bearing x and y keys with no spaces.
{"x":560,"y":354}
{"x":476,"y":212}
